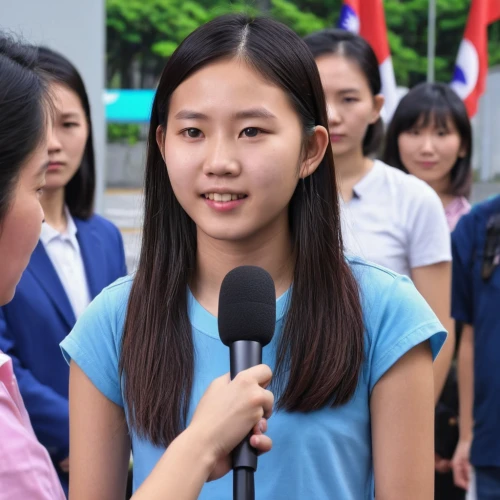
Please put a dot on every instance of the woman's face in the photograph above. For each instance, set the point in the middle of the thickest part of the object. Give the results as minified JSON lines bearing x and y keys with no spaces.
{"x":350,"y":103}
{"x":430,"y":152}
{"x":233,"y":150}
{"x":20,"y":229}
{"x":68,"y":138}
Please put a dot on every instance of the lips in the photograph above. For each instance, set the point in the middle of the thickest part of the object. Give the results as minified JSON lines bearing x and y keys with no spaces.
{"x":336,"y":137}
{"x":54,"y":165}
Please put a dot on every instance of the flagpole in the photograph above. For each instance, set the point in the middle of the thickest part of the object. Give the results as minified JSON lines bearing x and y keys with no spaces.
{"x":431,"y":40}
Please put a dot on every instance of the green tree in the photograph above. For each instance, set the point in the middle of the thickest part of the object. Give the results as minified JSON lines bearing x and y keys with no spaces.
{"x":142,"y":34}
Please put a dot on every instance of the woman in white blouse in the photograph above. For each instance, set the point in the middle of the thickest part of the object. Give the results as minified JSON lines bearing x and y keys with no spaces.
{"x":389,"y":218}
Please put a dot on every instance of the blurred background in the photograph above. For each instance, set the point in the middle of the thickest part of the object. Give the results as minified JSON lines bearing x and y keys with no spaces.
{"x":120,"y":47}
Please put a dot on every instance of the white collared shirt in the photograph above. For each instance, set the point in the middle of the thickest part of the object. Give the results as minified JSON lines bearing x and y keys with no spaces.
{"x":64,"y":252}
{"x":395,"y":220}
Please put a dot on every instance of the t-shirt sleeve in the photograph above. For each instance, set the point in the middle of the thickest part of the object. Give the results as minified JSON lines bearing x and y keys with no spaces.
{"x":405,"y":321}
{"x":428,"y":232}
{"x":93,"y":344}
{"x":462,"y":277}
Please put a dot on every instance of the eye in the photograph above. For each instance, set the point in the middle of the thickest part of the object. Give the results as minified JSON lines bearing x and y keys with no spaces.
{"x":350,"y":100}
{"x":442,"y":132}
{"x":70,"y":124}
{"x":192,"y":133}
{"x":251,"y":132}
{"x":414,"y":131}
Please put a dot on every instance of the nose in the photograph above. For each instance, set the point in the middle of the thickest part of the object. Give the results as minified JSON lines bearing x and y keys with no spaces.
{"x":333,"y":115}
{"x":53,"y":143}
{"x":221,"y":159}
{"x":427,"y":144}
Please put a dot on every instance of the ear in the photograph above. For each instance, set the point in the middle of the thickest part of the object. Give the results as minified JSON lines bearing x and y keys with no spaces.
{"x":378,"y":104}
{"x":316,"y":147}
{"x":160,"y":140}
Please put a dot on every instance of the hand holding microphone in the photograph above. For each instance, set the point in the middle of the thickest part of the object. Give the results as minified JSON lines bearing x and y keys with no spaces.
{"x":228,"y":411}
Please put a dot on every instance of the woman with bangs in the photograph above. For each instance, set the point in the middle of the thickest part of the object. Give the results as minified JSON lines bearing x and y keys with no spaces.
{"x":430,"y":137}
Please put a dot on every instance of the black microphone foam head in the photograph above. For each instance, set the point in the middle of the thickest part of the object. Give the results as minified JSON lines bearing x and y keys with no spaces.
{"x":247,"y":306}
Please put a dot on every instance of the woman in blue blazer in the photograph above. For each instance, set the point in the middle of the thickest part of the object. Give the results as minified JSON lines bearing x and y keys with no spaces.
{"x":79,"y":253}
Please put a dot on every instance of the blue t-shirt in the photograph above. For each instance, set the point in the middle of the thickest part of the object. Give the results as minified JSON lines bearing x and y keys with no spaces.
{"x":477,"y":302}
{"x":315,"y":455}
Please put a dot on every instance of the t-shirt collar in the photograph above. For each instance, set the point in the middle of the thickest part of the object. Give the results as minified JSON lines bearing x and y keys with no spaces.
{"x":49,"y":234}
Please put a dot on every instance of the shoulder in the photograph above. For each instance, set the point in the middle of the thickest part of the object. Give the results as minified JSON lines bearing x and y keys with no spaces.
{"x":110,"y":306}
{"x":385,"y":293}
{"x":396,"y":317}
{"x":118,"y":292}
{"x":407,"y":183}
{"x":376,"y":285}
{"x":97,"y":222}
{"x":477,"y":218}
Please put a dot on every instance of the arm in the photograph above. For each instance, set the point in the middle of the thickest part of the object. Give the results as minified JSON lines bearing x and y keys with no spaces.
{"x":434,"y":284}
{"x":100,"y":446}
{"x":461,"y":464}
{"x":48,"y":410}
{"x":224,"y":416}
{"x":402,"y":413}
{"x":18,"y":448}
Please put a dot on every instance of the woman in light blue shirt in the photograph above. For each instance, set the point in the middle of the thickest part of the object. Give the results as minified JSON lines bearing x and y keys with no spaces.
{"x":240,"y":171}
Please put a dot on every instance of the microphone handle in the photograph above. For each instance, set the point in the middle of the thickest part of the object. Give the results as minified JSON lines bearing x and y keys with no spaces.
{"x":244,"y":354}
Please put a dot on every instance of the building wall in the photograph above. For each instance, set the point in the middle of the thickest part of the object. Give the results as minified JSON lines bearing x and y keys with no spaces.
{"x":77,"y":30}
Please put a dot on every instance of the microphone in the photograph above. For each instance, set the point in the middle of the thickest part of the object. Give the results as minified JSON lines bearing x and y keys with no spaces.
{"x":247,"y":318}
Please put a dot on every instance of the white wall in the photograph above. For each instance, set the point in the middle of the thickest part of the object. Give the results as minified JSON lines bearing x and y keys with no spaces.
{"x":75,"y":28}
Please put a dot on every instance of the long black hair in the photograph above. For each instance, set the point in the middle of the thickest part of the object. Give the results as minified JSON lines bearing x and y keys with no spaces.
{"x":23,"y":113}
{"x":435,"y":103}
{"x":320,"y":352}
{"x":357,"y":49}
{"x":79,"y":192}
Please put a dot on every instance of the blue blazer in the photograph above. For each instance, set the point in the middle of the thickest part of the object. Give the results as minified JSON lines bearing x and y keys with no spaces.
{"x":39,"y":318}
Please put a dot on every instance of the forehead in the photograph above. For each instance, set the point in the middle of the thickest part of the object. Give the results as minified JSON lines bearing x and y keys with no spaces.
{"x":226,"y":85}
{"x":65,"y":99}
{"x":339,"y":72}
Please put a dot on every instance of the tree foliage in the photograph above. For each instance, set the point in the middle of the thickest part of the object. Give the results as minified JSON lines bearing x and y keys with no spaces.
{"x":142,"y":34}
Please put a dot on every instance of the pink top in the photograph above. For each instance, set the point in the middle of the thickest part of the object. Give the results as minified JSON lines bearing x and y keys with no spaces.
{"x":455,"y":209}
{"x":26,"y":470}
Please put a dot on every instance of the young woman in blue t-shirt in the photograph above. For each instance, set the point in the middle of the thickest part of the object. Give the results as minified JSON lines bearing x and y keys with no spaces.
{"x":239,"y":171}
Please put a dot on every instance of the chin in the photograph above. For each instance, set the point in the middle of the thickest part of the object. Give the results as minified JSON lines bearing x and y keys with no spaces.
{"x":6,"y":295}
{"x":227,"y":234}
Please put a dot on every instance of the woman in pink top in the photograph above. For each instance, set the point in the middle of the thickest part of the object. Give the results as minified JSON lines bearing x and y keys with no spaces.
{"x":227,"y":412}
{"x":430,"y":137}
{"x":26,"y":471}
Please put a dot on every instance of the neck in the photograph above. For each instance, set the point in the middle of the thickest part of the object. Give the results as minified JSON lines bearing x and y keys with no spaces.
{"x":350,"y":169}
{"x":271,"y":251}
{"x":442,"y":188}
{"x":53,"y":207}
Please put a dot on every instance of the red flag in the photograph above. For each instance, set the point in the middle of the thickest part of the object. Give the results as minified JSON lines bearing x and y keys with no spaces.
{"x":367,"y":18}
{"x":471,"y":69}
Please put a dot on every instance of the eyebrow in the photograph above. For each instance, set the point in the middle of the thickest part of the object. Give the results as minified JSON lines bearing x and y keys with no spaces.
{"x":71,"y":114}
{"x":187,"y":114}
{"x":348,"y":91}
